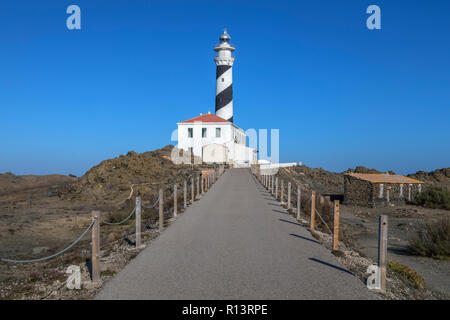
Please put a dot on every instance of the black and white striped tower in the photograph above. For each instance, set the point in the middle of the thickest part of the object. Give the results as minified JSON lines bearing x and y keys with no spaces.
{"x":224,"y":77}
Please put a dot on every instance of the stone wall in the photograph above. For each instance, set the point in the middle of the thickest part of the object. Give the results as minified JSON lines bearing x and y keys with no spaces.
{"x":357,"y":192}
{"x":364,"y":193}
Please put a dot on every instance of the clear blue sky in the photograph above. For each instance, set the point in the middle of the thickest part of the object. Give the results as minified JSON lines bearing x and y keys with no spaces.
{"x":340,"y":94}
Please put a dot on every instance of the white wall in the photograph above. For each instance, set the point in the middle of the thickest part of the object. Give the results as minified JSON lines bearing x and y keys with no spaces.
{"x":215,"y":153}
{"x":228,"y":133}
{"x":277,"y":165}
{"x":240,"y":154}
{"x":197,"y":142}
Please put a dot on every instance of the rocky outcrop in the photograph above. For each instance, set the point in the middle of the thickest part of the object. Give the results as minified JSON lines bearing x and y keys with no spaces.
{"x":436,"y":178}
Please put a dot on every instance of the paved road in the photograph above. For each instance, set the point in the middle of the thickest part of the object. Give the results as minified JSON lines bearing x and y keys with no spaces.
{"x":237,"y":242}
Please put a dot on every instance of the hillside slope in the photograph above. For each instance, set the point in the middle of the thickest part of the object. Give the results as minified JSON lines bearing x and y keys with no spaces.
{"x":436,"y":178}
{"x":113,"y":180}
{"x":10,"y":183}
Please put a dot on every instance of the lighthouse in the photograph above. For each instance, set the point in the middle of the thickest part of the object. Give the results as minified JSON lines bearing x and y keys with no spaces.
{"x":224,"y":77}
{"x":214,"y":138}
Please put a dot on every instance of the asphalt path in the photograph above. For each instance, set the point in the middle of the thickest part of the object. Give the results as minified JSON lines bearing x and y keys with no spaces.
{"x":236,"y":242}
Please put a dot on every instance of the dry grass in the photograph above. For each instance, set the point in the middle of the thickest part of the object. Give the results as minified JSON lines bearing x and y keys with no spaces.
{"x":433,"y":241}
{"x":407,"y":273}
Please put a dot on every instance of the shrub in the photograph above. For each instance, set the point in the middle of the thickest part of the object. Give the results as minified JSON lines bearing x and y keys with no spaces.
{"x":407,"y":273}
{"x":433,"y":241}
{"x":437,"y":198}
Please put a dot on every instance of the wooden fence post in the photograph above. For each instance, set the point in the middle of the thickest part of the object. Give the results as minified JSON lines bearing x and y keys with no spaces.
{"x":382,"y":249}
{"x":192,"y":189}
{"x":276,"y":188}
{"x":299,"y":202}
{"x":198,"y":187}
{"x":95,"y":260}
{"x":161,"y":209}
{"x":336,"y":206}
{"x":289,"y":196}
{"x":282,"y":191}
{"x":273,"y":184}
{"x":313,"y":210}
{"x":175,"y":201}
{"x":138,"y":221}
{"x":185,"y":194}
{"x":202,"y":185}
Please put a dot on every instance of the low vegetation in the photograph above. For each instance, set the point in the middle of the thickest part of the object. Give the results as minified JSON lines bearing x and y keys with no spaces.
{"x":407,"y":273}
{"x":436,"y":198}
{"x":433,"y":241}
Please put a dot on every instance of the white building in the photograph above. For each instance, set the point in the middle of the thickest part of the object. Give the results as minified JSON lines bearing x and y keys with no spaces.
{"x":215,"y":140}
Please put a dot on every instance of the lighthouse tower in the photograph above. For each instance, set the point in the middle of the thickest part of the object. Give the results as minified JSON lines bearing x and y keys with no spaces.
{"x":224,"y":77}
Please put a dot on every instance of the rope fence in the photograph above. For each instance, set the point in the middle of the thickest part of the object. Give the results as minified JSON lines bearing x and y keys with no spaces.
{"x":306,"y":202}
{"x":124,"y":220}
{"x":196,"y":187}
{"x":53,"y":255}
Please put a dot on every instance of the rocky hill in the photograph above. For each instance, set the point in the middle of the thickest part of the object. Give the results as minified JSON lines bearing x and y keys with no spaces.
{"x":437,"y":178}
{"x":318,"y":179}
{"x":10,"y":183}
{"x":113,"y":180}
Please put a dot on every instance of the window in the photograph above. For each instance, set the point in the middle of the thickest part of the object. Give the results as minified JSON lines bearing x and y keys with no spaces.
{"x":191,"y":149}
{"x":218,"y":132}
{"x":190,"y":132}
{"x":223,"y":79}
{"x":203,"y":132}
{"x":381,"y":191}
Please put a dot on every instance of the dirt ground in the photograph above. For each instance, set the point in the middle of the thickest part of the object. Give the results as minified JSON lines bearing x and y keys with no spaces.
{"x":361,"y":224}
{"x":35,"y":223}
{"x":40,"y":215}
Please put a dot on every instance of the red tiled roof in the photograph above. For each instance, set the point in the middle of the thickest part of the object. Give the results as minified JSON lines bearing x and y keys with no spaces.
{"x":205,"y":118}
